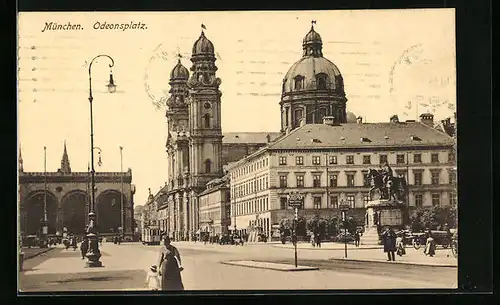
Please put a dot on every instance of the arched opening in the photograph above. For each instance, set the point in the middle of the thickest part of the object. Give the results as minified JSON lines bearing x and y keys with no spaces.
{"x":208,"y":166}
{"x":34,"y":207}
{"x":321,"y":81}
{"x":206,"y":120}
{"x":75,"y":210}
{"x":108,"y":211}
{"x":298,"y":113}
{"x":321,"y":113}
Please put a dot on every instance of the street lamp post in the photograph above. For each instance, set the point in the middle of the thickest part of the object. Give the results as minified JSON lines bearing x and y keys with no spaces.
{"x":344,"y":208}
{"x":296,"y":201}
{"x":93,"y":254}
{"x":45,"y":228}
{"x":121,"y":182}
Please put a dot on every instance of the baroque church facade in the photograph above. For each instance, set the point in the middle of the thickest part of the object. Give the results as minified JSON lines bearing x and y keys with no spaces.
{"x":196,"y":148}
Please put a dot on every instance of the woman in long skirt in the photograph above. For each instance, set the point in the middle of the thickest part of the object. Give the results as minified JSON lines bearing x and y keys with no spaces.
{"x":169,"y":261}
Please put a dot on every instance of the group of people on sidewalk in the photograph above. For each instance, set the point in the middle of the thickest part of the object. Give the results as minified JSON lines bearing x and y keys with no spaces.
{"x":393,"y":243}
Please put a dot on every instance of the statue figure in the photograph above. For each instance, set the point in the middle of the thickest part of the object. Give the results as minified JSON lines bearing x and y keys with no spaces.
{"x":201,"y":78}
{"x":386,"y":184}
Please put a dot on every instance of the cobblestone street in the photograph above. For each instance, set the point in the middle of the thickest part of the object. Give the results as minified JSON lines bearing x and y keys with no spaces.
{"x":125,"y":268}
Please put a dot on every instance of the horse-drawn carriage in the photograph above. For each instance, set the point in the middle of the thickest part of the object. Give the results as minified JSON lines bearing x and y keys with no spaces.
{"x":441,"y":238}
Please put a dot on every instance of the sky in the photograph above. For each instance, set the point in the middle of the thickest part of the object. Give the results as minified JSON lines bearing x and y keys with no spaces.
{"x":393,"y":62}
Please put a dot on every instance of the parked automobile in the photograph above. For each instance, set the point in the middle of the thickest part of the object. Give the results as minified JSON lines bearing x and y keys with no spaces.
{"x":225,"y":240}
{"x":441,"y":238}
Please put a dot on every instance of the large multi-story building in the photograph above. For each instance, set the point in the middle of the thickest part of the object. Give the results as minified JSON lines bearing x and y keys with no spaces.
{"x":215,"y":207}
{"x":328,"y":163}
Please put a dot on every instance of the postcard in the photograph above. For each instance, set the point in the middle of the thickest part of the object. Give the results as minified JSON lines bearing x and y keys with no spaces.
{"x":227,"y":150}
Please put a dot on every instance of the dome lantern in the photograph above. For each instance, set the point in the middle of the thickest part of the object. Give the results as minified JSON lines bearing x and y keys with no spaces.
{"x":312,"y":43}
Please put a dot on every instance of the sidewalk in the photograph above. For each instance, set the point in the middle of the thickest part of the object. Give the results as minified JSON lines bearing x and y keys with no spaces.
{"x":443,"y":257}
{"x":327,"y":246}
{"x":32,"y":252}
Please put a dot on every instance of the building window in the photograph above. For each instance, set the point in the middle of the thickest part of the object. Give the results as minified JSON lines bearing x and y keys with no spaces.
{"x":383,"y":159}
{"x":435,"y":177}
{"x":208,"y":166}
{"x":349,"y":159}
{"x":333,"y":180}
{"x":283,"y":180}
{"x":452,"y":177}
{"x":282,"y":160}
{"x":418,"y":200}
{"x":316,"y":160}
{"x":317,"y":203}
{"x":283,"y":203}
{"x":299,"y":83}
{"x":332,"y":160}
{"x":299,"y":160}
{"x":316,"y":180}
{"x":367,"y":160}
{"x":298,"y":117}
{"x":417,"y":158}
{"x":417,"y":177}
{"x":366,"y":180}
{"x":321,"y":82}
{"x":206,"y":119}
{"x":350,"y":179}
{"x":400,"y":159}
{"x":434,"y":158}
{"x":436,"y":198}
{"x":366,"y":199}
{"x":451,"y":156}
{"x":334,"y":202}
{"x":300,"y":181}
{"x":350,"y":201}
{"x":453,"y":198}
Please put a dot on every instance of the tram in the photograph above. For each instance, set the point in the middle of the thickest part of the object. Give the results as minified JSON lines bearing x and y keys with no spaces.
{"x":151,"y":235}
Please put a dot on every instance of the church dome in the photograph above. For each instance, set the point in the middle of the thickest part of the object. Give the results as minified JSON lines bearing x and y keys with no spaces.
{"x":313,"y":73}
{"x":203,"y":46}
{"x":179,"y":72}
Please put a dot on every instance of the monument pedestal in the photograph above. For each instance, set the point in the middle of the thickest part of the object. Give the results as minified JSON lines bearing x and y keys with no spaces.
{"x":381,"y":213}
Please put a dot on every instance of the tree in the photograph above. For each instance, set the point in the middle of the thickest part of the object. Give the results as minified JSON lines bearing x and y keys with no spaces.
{"x":286,"y":226}
{"x":435,"y":217}
{"x":317,"y":225}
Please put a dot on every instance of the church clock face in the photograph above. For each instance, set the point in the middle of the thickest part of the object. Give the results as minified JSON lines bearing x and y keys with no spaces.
{"x":207,"y":105}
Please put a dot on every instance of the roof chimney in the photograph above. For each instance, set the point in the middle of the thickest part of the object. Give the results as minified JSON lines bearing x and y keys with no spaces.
{"x":329,"y":120}
{"x":394,"y":119}
{"x":359,"y":120}
{"x":427,"y":119}
{"x":268,"y":138}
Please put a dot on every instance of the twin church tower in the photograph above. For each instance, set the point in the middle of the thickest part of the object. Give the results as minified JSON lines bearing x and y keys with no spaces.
{"x":312,"y":88}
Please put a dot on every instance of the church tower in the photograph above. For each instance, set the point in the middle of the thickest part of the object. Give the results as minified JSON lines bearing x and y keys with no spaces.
{"x":177,"y":121}
{"x":65,"y":167}
{"x":204,"y":115}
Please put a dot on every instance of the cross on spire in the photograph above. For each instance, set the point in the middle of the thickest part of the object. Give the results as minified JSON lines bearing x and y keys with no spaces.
{"x":313,"y":22}
{"x":179,"y":56}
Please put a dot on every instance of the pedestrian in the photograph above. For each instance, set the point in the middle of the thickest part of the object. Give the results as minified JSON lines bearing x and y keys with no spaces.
{"x":313,"y":240}
{"x":357,"y":237}
{"x":400,"y":245}
{"x":170,"y":267}
{"x":152,"y":278}
{"x":318,"y":240}
{"x":430,"y":245}
{"x":389,"y":241}
{"x":84,"y":247}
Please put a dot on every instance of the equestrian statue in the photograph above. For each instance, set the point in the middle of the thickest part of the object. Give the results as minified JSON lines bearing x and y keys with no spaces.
{"x":387,"y":186}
